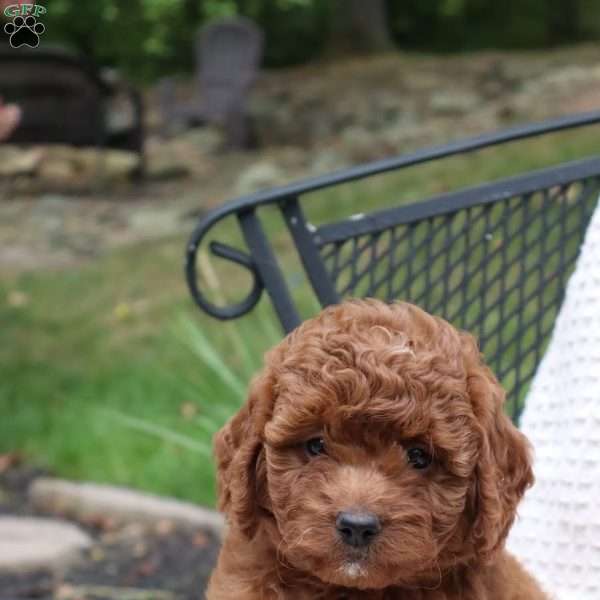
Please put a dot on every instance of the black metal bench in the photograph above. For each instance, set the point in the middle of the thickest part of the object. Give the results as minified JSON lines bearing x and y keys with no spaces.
{"x":64,"y":100}
{"x":493,"y":259}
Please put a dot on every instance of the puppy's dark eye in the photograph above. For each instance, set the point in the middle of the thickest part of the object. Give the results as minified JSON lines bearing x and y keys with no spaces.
{"x":315,"y":446}
{"x":418,"y":458}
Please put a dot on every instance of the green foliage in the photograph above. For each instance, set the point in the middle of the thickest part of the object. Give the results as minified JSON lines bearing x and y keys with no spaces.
{"x":450,"y":25}
{"x":295,"y":30}
{"x":151,"y":38}
{"x":116,"y":383}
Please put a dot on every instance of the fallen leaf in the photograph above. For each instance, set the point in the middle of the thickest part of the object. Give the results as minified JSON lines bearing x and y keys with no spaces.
{"x":188,"y":410}
{"x":17,"y":299}
{"x":122,"y":311}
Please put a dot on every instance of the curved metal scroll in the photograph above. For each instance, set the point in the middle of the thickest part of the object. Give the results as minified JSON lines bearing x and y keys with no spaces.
{"x":228,"y":253}
{"x":279,"y":196}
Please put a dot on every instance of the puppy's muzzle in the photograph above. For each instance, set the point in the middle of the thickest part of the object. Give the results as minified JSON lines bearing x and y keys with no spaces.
{"x":357,"y":529}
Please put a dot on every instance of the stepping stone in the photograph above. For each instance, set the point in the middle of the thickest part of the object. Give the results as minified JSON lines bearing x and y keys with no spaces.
{"x":84,"y":501}
{"x":28,"y":544}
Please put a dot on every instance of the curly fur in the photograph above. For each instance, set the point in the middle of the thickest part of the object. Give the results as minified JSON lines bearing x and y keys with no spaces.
{"x":372,"y":379}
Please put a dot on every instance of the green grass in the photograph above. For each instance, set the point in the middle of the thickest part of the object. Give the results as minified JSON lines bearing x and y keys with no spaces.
{"x":108,"y":373}
{"x":103,"y":371}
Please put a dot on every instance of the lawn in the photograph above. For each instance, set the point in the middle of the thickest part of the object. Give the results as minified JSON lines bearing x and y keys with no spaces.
{"x":110,"y":374}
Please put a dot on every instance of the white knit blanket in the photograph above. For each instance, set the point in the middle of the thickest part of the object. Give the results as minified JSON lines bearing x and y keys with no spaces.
{"x":557,"y":534}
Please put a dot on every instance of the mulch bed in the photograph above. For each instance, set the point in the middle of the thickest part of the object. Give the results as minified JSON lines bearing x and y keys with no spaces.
{"x":133,"y":562}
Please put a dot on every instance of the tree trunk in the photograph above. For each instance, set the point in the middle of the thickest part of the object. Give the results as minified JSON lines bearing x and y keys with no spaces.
{"x":193,"y":11}
{"x":360,"y":26}
{"x":564,"y":21}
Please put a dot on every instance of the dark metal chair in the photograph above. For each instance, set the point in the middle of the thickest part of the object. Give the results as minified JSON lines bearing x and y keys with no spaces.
{"x":228,"y":54}
{"x":64,"y":100}
{"x":492,"y":259}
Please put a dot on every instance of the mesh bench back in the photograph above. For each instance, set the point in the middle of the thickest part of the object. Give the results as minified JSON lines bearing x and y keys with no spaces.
{"x":497,"y":267}
{"x":492,"y":259}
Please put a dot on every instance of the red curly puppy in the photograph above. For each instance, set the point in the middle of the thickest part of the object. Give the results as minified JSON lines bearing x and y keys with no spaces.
{"x":372,"y":460}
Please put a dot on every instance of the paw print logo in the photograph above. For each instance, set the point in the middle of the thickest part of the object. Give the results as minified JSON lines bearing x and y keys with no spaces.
{"x":24,"y":32}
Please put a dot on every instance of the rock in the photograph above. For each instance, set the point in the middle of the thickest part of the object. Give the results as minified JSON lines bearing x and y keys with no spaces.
{"x":208,"y":140}
{"x":292,"y":158}
{"x":182,"y":155}
{"x":566,"y":78}
{"x":118,"y":164}
{"x":326,"y":161}
{"x":155,"y":222}
{"x":455,"y":103}
{"x":360,"y":143}
{"x":49,"y":212}
{"x":51,"y":204}
{"x":388,"y":107}
{"x":259,"y":176}
{"x":59,"y":171}
{"x":16,"y":161}
{"x":406,"y":135}
{"x":163,"y":161}
{"x":86,"y":501}
{"x":28,"y":544}
{"x":67,"y":165}
{"x":272,"y":119}
{"x":120,"y":115}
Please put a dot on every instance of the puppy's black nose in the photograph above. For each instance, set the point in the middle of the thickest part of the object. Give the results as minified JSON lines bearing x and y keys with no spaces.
{"x":357,"y":528}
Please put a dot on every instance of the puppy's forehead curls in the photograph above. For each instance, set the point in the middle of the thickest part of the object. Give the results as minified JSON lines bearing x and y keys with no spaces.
{"x":373,"y":450}
{"x":365,"y":369}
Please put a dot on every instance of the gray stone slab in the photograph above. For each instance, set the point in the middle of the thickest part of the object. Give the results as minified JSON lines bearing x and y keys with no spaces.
{"x":31,"y":543}
{"x":88,"y":500}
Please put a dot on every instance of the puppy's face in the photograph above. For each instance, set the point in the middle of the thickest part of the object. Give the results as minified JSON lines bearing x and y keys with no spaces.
{"x":380,"y":452}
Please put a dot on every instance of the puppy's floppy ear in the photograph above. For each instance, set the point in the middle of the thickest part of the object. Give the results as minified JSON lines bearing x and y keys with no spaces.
{"x":238,"y":447}
{"x":503,"y":472}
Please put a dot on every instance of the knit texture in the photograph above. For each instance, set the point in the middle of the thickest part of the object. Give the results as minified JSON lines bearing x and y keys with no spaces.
{"x":557,"y":534}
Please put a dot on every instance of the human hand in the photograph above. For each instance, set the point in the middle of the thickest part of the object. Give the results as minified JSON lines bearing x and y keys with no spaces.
{"x":10,"y":115}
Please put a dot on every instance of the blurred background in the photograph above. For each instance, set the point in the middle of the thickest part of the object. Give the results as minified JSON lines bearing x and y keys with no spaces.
{"x":136,"y":118}
{"x":95,"y":319}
